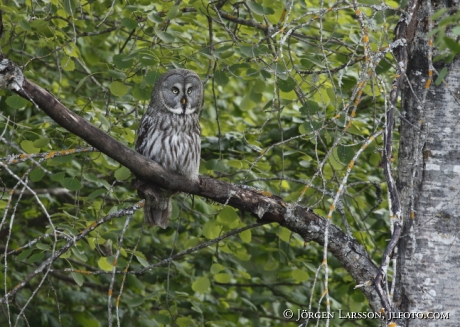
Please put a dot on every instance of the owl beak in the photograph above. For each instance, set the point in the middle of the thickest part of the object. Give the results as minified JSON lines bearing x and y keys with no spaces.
{"x":184,"y":104}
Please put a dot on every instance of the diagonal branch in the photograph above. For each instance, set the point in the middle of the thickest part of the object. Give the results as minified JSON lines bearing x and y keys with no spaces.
{"x":264,"y":206}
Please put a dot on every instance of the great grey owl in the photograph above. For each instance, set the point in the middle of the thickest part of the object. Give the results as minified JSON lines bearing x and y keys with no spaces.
{"x":169,"y":133}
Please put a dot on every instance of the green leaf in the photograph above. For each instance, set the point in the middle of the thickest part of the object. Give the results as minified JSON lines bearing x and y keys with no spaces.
{"x":238,"y":164}
{"x":16,"y":102}
{"x":79,"y":254}
{"x":453,"y":45}
{"x":72,"y":184}
{"x":40,"y":26}
{"x":242,"y":254}
{"x":116,"y":74}
{"x":438,"y":14}
{"x":122,"y":62}
{"x":104,"y":264}
{"x":309,"y":108}
{"x":152,"y":77}
{"x":155,"y":18}
{"x":70,"y":6}
{"x":135,"y":302}
{"x":246,"y":236}
{"x":228,"y":217}
{"x":96,"y":194}
{"x":259,"y":86}
{"x":271,"y":265}
{"x":41,"y":142}
{"x":142,"y":261}
{"x":216,"y":165}
{"x":36,"y":257}
{"x":86,"y":319}
{"x":222,"y":278}
{"x":67,"y":64}
{"x":185,"y":322}
{"x":221,"y":78}
{"x":25,"y":25}
{"x":456,"y":30}
{"x":249,"y":51}
{"x":129,"y":23}
{"x":246,"y":103}
{"x":81,"y":83}
{"x":162,"y":318}
{"x":441,"y":76}
{"x":58,"y":176}
{"x":42,"y":246}
{"x":211,"y":229}
{"x":244,"y":274}
{"x":309,"y":127}
{"x":118,"y":89}
{"x":335,"y":161}
{"x":255,"y":97}
{"x":201,"y":285}
{"x":165,"y":37}
{"x":173,"y":12}
{"x":36,"y":174}
{"x":102,"y":119}
{"x":255,"y":7}
{"x":148,"y":58}
{"x":28,"y":146}
{"x":287,"y":85}
{"x":90,"y":177}
{"x":60,"y":160}
{"x":24,"y":254}
{"x":226,"y":54}
{"x":216,"y":267}
{"x":122,"y":173}
{"x":72,"y":50}
{"x":300,"y":275}
{"x":59,"y":23}
{"x":78,"y":278}
{"x":345,"y":153}
{"x":141,"y":93}
{"x":134,"y":283}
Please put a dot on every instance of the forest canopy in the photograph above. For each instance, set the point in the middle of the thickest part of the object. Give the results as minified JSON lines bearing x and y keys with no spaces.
{"x":295,"y":101}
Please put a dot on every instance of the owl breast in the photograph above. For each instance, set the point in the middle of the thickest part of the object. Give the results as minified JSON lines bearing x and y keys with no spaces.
{"x":171,"y":140}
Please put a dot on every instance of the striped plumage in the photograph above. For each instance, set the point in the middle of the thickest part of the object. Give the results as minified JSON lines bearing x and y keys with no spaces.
{"x":169,"y":133}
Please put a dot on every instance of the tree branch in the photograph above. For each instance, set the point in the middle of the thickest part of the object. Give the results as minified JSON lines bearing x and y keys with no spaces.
{"x":261,"y":204}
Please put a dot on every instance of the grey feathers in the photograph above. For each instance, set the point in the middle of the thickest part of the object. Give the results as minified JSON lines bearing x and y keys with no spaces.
{"x":169,"y":133}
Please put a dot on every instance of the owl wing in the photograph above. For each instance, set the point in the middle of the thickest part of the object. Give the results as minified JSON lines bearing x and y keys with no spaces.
{"x":143,"y":135}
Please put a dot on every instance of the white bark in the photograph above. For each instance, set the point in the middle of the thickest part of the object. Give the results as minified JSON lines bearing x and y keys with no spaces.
{"x":429,"y":184}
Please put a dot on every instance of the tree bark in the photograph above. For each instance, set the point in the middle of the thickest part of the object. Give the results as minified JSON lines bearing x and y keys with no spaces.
{"x":428,"y":182}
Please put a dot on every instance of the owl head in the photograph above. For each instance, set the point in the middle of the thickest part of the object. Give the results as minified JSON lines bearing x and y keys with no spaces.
{"x":180,"y":91}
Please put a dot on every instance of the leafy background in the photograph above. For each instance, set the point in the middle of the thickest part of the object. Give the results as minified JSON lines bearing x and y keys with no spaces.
{"x":292,"y":91}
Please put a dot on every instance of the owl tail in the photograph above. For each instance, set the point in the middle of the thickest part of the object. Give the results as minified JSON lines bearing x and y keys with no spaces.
{"x":157,"y":208}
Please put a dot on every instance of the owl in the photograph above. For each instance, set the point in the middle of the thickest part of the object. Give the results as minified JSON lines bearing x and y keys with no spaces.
{"x":169,"y":133}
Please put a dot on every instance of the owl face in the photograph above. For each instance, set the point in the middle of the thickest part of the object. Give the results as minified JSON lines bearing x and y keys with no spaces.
{"x":181,"y":92}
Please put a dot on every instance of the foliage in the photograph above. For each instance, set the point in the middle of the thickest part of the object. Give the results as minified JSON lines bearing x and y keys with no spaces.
{"x":292,"y":91}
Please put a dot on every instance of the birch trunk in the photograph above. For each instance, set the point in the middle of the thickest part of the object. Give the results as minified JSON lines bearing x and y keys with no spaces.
{"x":429,"y":184}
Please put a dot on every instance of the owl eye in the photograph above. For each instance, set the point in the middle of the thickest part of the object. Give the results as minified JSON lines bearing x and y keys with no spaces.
{"x":175,"y":90}
{"x":189,"y":91}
